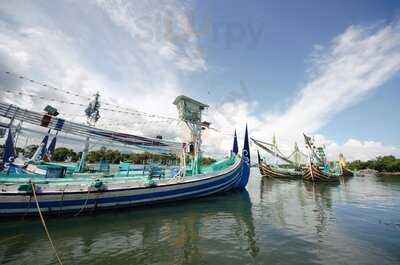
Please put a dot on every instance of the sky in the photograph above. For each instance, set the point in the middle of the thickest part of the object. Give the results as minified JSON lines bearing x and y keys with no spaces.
{"x":329,"y":69}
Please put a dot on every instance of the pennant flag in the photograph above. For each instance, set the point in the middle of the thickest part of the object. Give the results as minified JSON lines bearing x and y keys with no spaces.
{"x":235,"y":148}
{"x":9,"y":151}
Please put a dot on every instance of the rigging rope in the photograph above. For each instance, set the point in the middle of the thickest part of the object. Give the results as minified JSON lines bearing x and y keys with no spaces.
{"x":46,"y":85}
{"x":123,"y":110}
{"x":299,"y":152}
{"x":83,"y":105}
{"x":263,"y":145}
{"x":9,"y":111}
{"x":124,"y":124}
{"x":44,"y":224}
{"x":126,"y":110}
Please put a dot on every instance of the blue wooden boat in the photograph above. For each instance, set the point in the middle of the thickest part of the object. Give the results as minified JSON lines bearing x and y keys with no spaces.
{"x":59,"y":193}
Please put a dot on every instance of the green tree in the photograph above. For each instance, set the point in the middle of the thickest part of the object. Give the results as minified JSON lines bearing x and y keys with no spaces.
{"x":381,"y":164}
{"x":61,"y":154}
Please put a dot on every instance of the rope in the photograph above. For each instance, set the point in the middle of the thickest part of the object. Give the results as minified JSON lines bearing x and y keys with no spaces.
{"x":84,"y":205}
{"x":44,"y":224}
{"x":46,"y":85}
{"x":62,"y":200}
{"x":125,"y":124}
{"x":134,"y":113}
{"x":137,"y":112}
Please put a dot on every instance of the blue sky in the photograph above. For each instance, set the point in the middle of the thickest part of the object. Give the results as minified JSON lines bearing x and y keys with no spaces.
{"x":328,"y":68}
{"x":275,"y":67}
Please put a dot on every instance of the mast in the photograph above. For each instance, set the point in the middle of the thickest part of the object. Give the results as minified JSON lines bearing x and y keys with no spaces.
{"x":342,"y":160}
{"x":275,"y":148}
{"x":92,"y":113}
{"x":190,"y":111}
{"x":296,"y":155}
{"x":17,"y":132}
{"x":314,"y":153}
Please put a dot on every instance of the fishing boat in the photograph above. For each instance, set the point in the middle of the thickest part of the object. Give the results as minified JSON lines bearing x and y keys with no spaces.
{"x":23,"y":192}
{"x":346,"y":172}
{"x":292,"y":169}
{"x":318,"y":169}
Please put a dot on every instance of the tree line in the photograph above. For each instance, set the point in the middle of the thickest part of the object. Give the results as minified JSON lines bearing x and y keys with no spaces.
{"x":62,"y":154}
{"x":381,"y":164}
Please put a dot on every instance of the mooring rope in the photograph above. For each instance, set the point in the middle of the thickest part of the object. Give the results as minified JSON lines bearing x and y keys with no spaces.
{"x":62,"y":200}
{"x":44,"y":224}
{"x":84,"y":205}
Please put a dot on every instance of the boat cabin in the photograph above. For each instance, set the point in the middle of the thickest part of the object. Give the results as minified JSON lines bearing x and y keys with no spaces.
{"x":55,"y":171}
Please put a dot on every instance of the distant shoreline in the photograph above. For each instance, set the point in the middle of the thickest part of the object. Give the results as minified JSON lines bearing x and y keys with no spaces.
{"x":380,"y":173}
{"x":389,"y":173}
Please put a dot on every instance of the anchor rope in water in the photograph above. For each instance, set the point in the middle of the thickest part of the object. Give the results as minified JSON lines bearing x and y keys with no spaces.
{"x":44,"y":224}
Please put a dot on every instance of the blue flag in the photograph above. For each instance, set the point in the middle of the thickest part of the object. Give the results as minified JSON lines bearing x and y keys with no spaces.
{"x":9,"y":151}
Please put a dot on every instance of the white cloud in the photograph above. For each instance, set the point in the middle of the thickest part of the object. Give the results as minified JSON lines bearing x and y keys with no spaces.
{"x":352,"y":66}
{"x":355,"y":64}
{"x":135,"y":52}
{"x":355,"y":149}
{"x":108,"y":53}
{"x":162,"y":27}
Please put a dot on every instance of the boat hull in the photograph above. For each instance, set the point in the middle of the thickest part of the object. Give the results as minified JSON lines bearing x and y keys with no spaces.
{"x":315,"y":174}
{"x":347,"y":173}
{"x":77,"y":202}
{"x":267,"y":171}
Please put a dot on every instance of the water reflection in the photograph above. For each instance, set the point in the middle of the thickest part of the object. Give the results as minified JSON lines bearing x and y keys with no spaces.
{"x":302,"y":206}
{"x":182,"y":233}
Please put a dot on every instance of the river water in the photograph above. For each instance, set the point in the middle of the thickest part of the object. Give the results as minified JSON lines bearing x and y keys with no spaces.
{"x":273,"y":222}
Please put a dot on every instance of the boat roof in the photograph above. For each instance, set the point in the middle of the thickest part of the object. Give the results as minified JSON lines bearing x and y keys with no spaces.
{"x":188,"y":99}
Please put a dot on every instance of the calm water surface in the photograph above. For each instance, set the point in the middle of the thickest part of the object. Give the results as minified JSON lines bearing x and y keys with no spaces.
{"x":275,"y":222}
